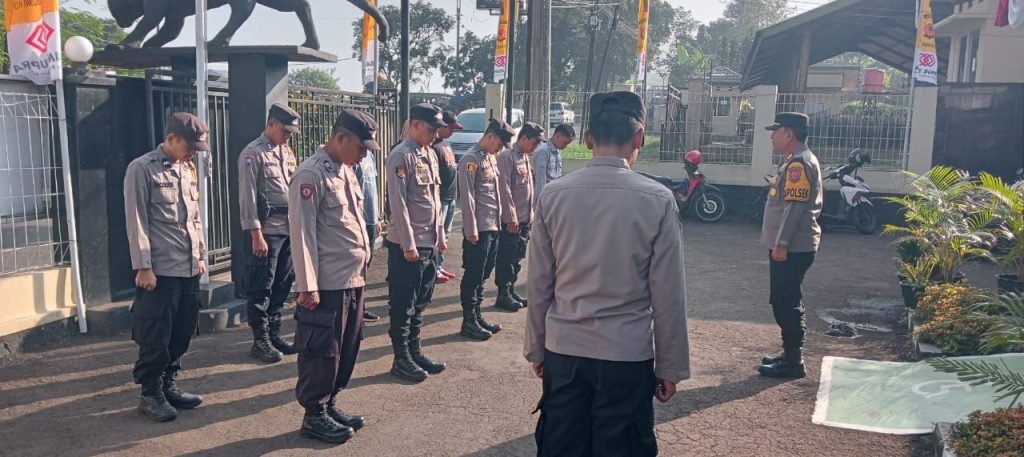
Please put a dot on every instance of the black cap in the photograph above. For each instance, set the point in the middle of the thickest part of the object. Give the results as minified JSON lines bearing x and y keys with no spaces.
{"x":428,"y":113}
{"x":531,"y":130}
{"x":504,"y":131}
{"x":191,"y":129}
{"x":288,"y":117}
{"x":795,"y":121}
{"x":624,"y":102}
{"x":453,"y":123}
{"x":360,"y":124}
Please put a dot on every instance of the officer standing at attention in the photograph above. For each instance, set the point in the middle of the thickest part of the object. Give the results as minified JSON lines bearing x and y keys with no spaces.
{"x":547,"y":160}
{"x":366,"y":172}
{"x":515,"y":184}
{"x":331,"y":254}
{"x":265,"y":169}
{"x":791,"y":233}
{"x":480,"y":201}
{"x":415,"y":238}
{"x":165,"y":237}
{"x":610,"y":332}
{"x":447,"y":166}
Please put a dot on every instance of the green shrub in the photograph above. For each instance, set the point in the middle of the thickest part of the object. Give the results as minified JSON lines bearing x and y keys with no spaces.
{"x":995,"y":434}
{"x":948,"y":320}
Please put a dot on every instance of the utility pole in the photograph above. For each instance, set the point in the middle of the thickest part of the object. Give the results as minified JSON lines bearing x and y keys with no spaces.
{"x":593,"y":22}
{"x":540,"y":61}
{"x":607,"y":45}
{"x":458,"y":43}
{"x":403,"y":97}
{"x":513,"y":20}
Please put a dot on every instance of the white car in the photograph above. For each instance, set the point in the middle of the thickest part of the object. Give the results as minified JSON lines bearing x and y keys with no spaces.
{"x":474,"y":122}
{"x":560,"y":113}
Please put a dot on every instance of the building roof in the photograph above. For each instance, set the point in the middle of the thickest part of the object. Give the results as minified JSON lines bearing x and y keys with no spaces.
{"x":882,"y":29}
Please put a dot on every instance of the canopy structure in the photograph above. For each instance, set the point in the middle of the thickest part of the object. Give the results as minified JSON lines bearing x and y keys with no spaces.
{"x":882,"y":29}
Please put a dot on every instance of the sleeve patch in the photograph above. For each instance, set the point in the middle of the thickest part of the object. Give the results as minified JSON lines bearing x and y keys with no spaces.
{"x":798,"y":186}
{"x":400,"y":171}
{"x":306,"y":190}
{"x":471,"y":167}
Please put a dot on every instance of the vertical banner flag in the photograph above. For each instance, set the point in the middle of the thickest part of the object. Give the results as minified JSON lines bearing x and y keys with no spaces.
{"x":33,"y":39}
{"x":369,"y":47}
{"x":501,"y":50}
{"x":643,"y":16}
{"x":926,"y":61}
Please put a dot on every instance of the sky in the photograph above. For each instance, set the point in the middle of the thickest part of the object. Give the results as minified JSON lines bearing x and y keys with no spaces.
{"x":333,"y":20}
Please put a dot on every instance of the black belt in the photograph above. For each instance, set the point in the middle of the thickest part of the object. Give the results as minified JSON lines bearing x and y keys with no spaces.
{"x":277,"y":210}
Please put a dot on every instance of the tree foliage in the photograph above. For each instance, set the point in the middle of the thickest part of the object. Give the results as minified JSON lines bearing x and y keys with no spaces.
{"x":427,"y":50}
{"x":314,"y":77}
{"x":3,"y":43}
{"x":469,"y":71}
{"x":727,"y":41}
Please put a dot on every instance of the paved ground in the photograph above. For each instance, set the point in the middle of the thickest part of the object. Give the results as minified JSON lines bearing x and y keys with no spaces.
{"x":79,"y":400}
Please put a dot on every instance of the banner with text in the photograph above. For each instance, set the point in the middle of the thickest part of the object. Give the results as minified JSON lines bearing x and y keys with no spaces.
{"x":643,"y":17}
{"x":501,"y":50}
{"x":369,"y":47}
{"x":33,"y":39}
{"x":926,"y":60}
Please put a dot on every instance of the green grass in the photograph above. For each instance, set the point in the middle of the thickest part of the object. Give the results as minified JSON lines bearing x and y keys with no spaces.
{"x":579,"y":151}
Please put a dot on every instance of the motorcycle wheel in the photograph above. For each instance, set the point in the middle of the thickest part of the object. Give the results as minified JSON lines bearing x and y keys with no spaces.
{"x":866,"y":222}
{"x":709,"y":207}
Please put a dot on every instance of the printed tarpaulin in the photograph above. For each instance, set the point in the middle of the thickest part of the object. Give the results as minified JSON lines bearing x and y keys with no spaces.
{"x":33,"y":39}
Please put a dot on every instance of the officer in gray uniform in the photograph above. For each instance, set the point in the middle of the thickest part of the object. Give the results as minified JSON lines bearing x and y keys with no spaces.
{"x":265,"y":169}
{"x":331,"y":254}
{"x":415,"y":237}
{"x":516,"y":186}
{"x":791,"y":233}
{"x":480,"y":201}
{"x":165,"y":238}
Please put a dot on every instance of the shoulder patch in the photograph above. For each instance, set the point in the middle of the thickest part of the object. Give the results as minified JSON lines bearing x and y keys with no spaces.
{"x":306,"y":190}
{"x":401,"y":171}
{"x":798,"y":186}
{"x":471,"y":167}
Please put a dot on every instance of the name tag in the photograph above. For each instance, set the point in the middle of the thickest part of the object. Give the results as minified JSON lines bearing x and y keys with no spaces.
{"x":163,"y":185}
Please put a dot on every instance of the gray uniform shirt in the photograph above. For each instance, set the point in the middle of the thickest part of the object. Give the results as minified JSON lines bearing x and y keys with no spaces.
{"x":794,"y":203}
{"x":264,"y":173}
{"x":479,"y":199}
{"x":547,"y":162}
{"x":413,"y":183}
{"x":161,"y":206}
{"x":515,"y":180}
{"x":613,"y":240}
{"x":330,"y":247}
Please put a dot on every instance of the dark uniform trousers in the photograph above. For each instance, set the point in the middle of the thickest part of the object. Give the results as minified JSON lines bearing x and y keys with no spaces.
{"x":511,"y":252}
{"x":410,"y":289}
{"x":786,"y":279}
{"x":596,"y":407}
{"x":270,"y":280}
{"x":478,"y":261}
{"x":327,"y":339}
{"x":163,"y":323}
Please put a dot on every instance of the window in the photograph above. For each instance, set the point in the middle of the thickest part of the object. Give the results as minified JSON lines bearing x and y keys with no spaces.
{"x":517,"y":119}
{"x":723,"y":106}
{"x":473,"y":122}
{"x":967,"y":60}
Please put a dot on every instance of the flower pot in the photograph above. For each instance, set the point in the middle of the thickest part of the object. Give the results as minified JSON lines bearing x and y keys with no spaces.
{"x":910,"y":293}
{"x":1009,"y":284}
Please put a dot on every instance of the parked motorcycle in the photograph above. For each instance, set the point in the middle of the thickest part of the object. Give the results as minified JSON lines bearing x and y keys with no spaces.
{"x":694,"y":195}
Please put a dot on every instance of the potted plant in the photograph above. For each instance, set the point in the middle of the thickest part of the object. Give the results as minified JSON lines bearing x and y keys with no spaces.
{"x":915,"y":275}
{"x":1007,"y":203}
{"x":908,"y":251}
{"x":940,"y":213}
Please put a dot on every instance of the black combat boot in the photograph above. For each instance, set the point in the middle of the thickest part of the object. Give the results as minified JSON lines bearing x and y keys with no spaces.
{"x":493,"y":328}
{"x":153,"y":405}
{"x":353,"y":422}
{"x":519,"y":298}
{"x":791,"y":366}
{"x":318,"y":425}
{"x":772,"y":359}
{"x":505,"y":301}
{"x":176,"y":397}
{"x":279,"y":343}
{"x":403,"y":366}
{"x":262,"y":348}
{"x":471,"y":326}
{"x":426,"y":363}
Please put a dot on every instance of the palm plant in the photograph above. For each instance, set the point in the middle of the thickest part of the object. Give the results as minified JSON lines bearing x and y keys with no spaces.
{"x":940,"y":212}
{"x":1007,"y":202}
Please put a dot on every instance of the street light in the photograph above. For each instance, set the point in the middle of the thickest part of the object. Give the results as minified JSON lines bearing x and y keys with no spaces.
{"x":79,"y":50}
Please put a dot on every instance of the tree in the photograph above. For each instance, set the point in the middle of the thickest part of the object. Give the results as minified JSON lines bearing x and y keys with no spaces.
{"x":468,"y":72}
{"x":727,"y":41}
{"x":683,"y":59}
{"x":3,"y":43}
{"x":427,"y":52}
{"x":314,"y":77}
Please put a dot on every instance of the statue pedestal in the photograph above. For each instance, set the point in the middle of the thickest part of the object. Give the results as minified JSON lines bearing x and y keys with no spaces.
{"x":257,"y":78}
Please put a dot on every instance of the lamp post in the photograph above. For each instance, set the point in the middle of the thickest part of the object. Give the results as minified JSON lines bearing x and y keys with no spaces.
{"x":79,"y":51}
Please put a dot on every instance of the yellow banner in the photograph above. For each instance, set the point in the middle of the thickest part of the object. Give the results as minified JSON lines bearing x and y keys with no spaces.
{"x":23,"y":11}
{"x":501,"y":49}
{"x":926,"y":28}
{"x":369,"y":47}
{"x":642,"y":18}
{"x":369,"y":27}
{"x":926,"y":59}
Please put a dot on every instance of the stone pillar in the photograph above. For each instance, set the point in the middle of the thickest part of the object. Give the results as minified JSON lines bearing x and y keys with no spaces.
{"x":922,"y":129}
{"x":765,"y":99}
{"x":695,"y":107}
{"x":539,"y":78}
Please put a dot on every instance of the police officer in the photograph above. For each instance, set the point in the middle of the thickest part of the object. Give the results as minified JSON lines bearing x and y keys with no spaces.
{"x":161,"y":204}
{"x":480,"y":201}
{"x":415,"y":237}
{"x":548,"y":157}
{"x":609,"y":333}
{"x":331,"y":254}
{"x":447,"y":166}
{"x":516,"y":186}
{"x":265,"y":169}
{"x":791,"y":233}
